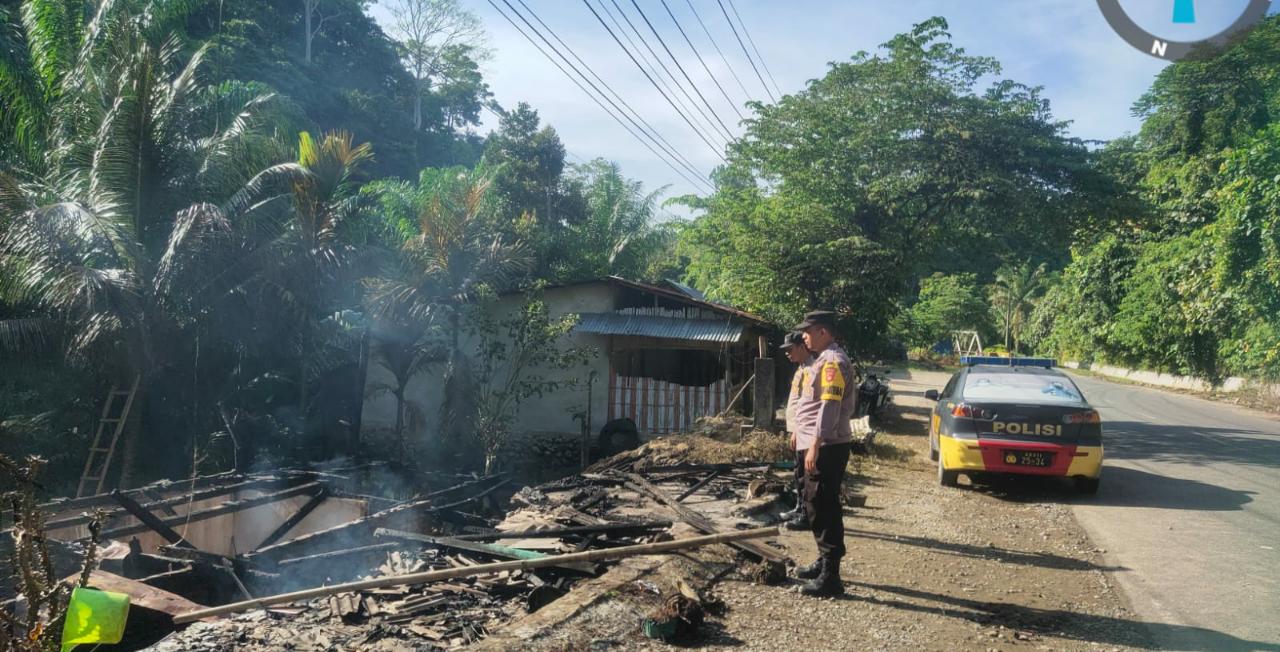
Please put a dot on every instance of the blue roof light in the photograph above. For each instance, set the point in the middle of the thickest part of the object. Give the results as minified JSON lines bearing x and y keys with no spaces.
{"x":970,"y":360}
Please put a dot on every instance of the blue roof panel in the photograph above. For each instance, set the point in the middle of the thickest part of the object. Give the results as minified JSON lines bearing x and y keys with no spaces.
{"x":670,"y":328}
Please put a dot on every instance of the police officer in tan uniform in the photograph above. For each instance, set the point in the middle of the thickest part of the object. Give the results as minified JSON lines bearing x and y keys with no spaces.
{"x":798,"y":353}
{"x":824,"y":435}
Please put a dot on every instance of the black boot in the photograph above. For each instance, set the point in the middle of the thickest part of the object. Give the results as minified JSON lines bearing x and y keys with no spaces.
{"x":799,"y":523}
{"x":827,"y":584}
{"x":811,"y":571}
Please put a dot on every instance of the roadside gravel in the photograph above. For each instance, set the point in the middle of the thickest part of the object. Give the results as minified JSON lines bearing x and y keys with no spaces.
{"x":991,"y":568}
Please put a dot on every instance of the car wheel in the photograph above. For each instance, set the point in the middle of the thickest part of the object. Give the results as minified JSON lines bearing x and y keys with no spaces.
{"x":1087,"y":486}
{"x":947,"y":478}
{"x":933,"y":451}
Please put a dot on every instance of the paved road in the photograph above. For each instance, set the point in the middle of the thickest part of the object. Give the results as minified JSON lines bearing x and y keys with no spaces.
{"x":1189,"y":509}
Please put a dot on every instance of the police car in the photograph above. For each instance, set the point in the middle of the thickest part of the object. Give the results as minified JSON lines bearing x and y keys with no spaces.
{"x":1014,"y":415}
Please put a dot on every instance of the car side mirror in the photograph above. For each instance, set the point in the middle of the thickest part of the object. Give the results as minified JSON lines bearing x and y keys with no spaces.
{"x":931,"y":394}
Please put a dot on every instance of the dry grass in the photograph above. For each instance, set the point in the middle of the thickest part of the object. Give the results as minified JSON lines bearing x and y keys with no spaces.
{"x":755,"y":446}
{"x":712,"y":441}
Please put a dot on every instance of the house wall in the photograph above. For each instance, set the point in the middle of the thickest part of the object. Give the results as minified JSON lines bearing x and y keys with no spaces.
{"x":545,"y":431}
{"x":551,"y":413}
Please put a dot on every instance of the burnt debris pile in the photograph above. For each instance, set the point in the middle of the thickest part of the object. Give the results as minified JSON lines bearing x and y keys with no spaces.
{"x":318,"y":560}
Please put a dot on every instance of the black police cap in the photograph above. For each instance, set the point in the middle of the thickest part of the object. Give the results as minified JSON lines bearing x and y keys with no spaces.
{"x":818,"y":318}
{"x":792,"y":339}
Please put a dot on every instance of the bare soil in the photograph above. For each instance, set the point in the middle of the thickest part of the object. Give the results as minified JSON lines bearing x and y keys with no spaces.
{"x":929,"y":568}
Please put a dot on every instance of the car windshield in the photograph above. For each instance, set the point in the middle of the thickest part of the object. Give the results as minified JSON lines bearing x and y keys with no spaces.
{"x":1032,"y":388}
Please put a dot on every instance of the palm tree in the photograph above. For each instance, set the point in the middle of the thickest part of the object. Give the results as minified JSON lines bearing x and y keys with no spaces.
{"x":617,"y":236}
{"x":114,"y":139}
{"x":311,"y":256}
{"x":406,"y":350}
{"x":450,"y":254}
{"x":1011,"y":295}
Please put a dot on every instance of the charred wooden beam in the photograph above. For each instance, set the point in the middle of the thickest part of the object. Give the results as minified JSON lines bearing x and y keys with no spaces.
{"x":697,"y":519}
{"x":154,"y":498}
{"x":482,"y":569}
{"x":501,"y":552}
{"x":195,"y":555}
{"x":183,"y":499}
{"x":149,"y":520}
{"x":426,"y":504}
{"x":388,"y":502}
{"x":215,"y":511}
{"x":701,"y":483}
{"x":66,"y":504}
{"x":559,"y":532}
{"x":294,"y":519}
{"x":339,"y":554}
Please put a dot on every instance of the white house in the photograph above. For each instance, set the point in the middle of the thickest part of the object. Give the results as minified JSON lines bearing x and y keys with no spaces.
{"x":664,"y":357}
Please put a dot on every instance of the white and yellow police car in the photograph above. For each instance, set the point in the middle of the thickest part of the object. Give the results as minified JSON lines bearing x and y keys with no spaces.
{"x":1017,"y":416}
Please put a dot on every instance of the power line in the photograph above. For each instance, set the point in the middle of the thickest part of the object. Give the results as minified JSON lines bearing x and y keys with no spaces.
{"x":718,"y":50}
{"x":654,"y":137}
{"x":744,"y":50}
{"x":704,"y":63}
{"x":663,"y":43}
{"x":653,"y":64}
{"x":752,"y":41}
{"x":653,"y":133}
{"x":624,"y":125}
{"x":650,"y":78}
{"x":675,"y":82}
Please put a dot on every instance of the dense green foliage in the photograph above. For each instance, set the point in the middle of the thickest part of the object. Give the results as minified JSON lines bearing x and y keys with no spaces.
{"x":884,"y":170}
{"x":1186,"y":280}
{"x":947,"y":302}
{"x":195,"y":194}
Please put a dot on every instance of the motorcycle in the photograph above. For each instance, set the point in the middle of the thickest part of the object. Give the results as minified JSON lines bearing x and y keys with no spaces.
{"x":874,"y":396}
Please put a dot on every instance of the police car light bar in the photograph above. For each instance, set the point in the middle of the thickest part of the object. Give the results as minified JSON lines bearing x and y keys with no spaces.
{"x":970,"y":360}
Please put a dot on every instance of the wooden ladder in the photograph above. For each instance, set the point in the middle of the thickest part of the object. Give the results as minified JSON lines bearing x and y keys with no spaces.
{"x":98,"y":463}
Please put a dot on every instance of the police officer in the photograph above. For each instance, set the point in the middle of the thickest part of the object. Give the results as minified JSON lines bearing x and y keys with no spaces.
{"x":822,"y":415}
{"x":797,"y":353}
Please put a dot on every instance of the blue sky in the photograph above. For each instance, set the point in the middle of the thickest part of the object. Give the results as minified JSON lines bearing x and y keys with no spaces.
{"x":1089,"y":74}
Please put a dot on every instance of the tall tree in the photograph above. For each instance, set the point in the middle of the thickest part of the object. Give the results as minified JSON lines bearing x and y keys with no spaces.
{"x":529,"y":159}
{"x":897,"y":151}
{"x":313,"y":24}
{"x":438,"y":39}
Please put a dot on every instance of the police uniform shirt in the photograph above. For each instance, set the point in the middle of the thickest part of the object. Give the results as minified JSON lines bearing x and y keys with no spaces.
{"x":826,"y":401}
{"x":798,"y":380}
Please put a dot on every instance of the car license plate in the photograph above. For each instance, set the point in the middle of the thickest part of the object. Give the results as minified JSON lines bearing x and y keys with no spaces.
{"x":1028,"y":458}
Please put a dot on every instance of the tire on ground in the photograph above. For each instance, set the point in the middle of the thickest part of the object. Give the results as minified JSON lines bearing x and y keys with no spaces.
{"x":947,"y":478}
{"x":1088,"y":486}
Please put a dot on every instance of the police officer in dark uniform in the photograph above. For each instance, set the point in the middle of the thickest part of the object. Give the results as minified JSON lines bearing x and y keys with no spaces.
{"x":823,"y":432}
{"x":798,"y":353}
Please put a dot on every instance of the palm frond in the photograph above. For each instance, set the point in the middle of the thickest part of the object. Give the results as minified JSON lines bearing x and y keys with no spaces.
{"x":195,"y":231}
{"x":30,"y":335}
{"x":277,"y":177}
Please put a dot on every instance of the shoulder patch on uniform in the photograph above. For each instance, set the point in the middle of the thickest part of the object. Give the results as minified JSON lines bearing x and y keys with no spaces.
{"x":832,"y":380}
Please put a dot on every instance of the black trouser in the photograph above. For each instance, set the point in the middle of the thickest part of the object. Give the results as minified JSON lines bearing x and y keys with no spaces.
{"x":800,"y":480}
{"x":822,"y":499}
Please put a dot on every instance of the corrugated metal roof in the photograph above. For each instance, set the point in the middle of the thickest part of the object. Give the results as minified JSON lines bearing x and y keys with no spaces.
{"x":671,"y":328}
{"x":686,"y":289}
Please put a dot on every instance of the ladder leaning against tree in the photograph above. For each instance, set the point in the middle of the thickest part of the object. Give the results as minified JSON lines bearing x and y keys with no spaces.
{"x":98,"y":463}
